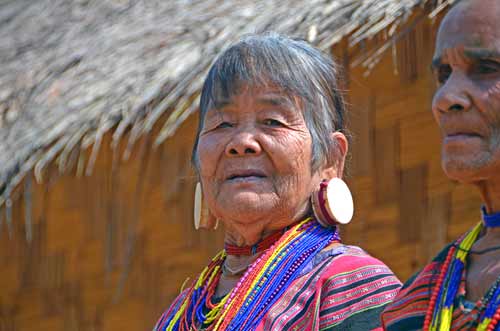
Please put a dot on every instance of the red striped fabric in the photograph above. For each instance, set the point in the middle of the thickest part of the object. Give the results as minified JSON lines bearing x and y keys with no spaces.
{"x":344,"y":292}
{"x":345,"y":289}
{"x":408,"y":310}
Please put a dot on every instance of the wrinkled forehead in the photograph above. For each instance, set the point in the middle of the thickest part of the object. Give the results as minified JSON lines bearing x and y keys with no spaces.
{"x":264,"y":91}
{"x":470,"y":24}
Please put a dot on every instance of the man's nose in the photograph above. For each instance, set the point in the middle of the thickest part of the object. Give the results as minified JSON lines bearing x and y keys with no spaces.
{"x":453,"y":96}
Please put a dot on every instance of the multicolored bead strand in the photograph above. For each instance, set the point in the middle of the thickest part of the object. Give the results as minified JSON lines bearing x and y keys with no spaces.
{"x":436,"y":290}
{"x":440,"y":312}
{"x":298,"y":247}
{"x":288,"y":272}
{"x":491,"y":316}
{"x":264,"y":281}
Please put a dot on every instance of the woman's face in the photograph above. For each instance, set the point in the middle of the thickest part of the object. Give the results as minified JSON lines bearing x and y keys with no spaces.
{"x":255,"y":159}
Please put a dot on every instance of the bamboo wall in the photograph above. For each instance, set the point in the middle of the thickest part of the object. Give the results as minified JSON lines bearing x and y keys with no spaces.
{"x":407,"y":209}
{"x":109,"y":251}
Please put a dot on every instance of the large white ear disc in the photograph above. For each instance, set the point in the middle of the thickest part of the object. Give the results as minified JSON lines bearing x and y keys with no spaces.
{"x":203,"y":219}
{"x":338,"y":201}
{"x":198,"y":202}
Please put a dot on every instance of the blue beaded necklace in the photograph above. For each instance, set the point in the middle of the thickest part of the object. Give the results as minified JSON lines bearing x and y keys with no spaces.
{"x":261,"y":286}
{"x":490,"y":220}
{"x":440,"y":313}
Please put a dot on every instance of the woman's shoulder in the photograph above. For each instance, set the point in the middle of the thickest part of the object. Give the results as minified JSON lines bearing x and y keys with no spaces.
{"x":343,"y":288}
{"x":346,"y":260}
{"x":354,"y":267}
{"x":408,"y":309}
{"x":355,"y":287}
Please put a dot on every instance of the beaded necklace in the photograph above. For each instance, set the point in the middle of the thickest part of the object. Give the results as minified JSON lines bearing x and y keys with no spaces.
{"x":440,"y":312}
{"x":259,"y":247}
{"x":258,"y":289}
{"x":490,"y":220}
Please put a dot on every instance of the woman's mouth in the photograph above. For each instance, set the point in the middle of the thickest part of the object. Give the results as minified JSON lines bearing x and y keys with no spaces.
{"x":246,"y":176}
{"x":245,"y":179}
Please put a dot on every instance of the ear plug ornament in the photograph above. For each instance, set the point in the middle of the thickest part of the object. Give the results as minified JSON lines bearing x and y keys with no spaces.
{"x":332,"y":203}
{"x":203,"y":218}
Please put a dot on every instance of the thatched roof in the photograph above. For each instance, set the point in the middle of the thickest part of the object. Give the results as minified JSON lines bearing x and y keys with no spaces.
{"x":74,"y":70}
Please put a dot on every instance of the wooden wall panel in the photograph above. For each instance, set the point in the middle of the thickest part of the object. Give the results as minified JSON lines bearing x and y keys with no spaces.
{"x":387,"y":164}
{"x":433,"y":227}
{"x":406,"y":208}
{"x":412,"y":203}
{"x":108,"y":251}
{"x":361,"y":118}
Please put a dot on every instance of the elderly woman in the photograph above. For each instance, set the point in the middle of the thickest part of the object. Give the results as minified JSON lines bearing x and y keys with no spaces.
{"x":270,"y":140}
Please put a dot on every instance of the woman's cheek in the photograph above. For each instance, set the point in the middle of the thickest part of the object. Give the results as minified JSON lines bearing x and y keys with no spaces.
{"x":294,"y":148}
{"x":208,"y":155}
{"x":303,"y":153}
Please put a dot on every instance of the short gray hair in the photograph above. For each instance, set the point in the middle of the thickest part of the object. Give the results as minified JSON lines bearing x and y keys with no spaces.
{"x":292,"y":65}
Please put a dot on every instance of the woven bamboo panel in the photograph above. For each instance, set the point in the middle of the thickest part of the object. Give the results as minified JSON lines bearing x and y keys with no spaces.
{"x":107,"y":251}
{"x":407,"y":209}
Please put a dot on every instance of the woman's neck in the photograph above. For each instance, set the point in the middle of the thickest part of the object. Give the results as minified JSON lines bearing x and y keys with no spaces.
{"x":245,"y":233}
{"x":248,"y":234}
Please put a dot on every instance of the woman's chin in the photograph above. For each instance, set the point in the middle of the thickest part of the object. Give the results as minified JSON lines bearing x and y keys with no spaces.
{"x":246,"y":206}
{"x":247,"y":195}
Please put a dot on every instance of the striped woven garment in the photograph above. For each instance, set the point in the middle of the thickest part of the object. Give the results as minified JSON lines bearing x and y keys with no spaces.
{"x":407,"y":311}
{"x":343,"y":289}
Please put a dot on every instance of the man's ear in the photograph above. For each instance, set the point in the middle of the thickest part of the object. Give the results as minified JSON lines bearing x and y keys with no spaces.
{"x":341,"y":148}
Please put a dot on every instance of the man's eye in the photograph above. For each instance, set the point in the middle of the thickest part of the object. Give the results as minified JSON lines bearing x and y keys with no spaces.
{"x":488,"y":67}
{"x":224,"y":125}
{"x":443,"y":72}
{"x":272,"y":122}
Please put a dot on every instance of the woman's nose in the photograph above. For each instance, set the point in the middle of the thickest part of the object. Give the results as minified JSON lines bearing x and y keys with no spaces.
{"x":453,"y":96}
{"x":243,"y":143}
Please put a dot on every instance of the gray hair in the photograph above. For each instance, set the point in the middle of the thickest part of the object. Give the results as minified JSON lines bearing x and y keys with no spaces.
{"x":292,"y":65}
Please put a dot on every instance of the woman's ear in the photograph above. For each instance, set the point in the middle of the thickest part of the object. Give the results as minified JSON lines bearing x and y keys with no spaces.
{"x":341,"y":148}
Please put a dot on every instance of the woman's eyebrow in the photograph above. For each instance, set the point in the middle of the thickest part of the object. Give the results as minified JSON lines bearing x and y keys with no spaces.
{"x":275,"y":100}
{"x":221,"y":103}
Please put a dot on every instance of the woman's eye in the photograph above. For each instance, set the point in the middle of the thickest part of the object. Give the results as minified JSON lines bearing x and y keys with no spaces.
{"x":272,"y":122}
{"x":488,"y":67}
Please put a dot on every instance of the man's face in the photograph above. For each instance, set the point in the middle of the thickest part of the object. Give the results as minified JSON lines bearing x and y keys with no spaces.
{"x":466,"y":105}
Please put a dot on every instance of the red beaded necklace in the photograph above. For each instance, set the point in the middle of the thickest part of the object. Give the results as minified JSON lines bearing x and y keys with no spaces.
{"x":258,"y":289}
{"x":259,"y":247}
{"x":489,"y":319}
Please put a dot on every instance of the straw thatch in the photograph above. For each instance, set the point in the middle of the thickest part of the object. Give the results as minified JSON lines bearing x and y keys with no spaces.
{"x":74,"y":70}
